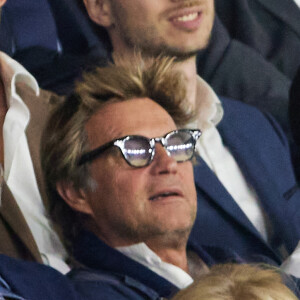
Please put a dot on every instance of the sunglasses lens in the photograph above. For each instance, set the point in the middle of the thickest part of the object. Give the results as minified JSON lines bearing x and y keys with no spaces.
{"x":137,"y":151}
{"x":180,"y":145}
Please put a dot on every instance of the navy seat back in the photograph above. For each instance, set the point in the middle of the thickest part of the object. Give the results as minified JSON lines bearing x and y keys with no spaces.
{"x":28,"y":23}
{"x":77,"y":33}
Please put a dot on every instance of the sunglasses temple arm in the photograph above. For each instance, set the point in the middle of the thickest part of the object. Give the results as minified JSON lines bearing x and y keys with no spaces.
{"x":89,"y":156}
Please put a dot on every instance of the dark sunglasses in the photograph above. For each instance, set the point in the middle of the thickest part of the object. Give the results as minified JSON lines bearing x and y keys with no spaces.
{"x":139,"y":151}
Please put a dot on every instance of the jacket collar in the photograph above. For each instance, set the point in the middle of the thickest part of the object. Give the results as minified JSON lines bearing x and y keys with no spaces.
{"x":95,"y":254}
{"x":90,"y":251}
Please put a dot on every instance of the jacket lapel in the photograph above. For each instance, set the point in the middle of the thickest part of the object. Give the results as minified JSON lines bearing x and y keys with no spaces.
{"x":265,"y":167}
{"x":285,"y":10}
{"x":208,"y":182}
{"x":253,"y":161}
{"x":242,"y":142}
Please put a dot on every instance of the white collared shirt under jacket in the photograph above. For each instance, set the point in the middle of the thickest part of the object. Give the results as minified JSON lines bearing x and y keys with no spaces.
{"x":142,"y":254}
{"x":218,"y":157}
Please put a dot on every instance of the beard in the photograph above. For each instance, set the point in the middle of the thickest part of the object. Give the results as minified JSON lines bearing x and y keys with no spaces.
{"x":153,"y":46}
{"x":170,"y":236}
{"x":165,"y":51}
{"x":151,"y":41}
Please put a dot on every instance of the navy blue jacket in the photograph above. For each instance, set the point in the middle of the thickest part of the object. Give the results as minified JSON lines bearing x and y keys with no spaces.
{"x":109,"y":274}
{"x":261,"y":150}
{"x":33,"y":281}
{"x":5,"y":291}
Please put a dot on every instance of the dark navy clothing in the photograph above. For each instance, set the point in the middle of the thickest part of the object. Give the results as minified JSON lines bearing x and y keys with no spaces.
{"x":262,"y":152}
{"x":271,"y":27}
{"x":5,"y":291}
{"x":237,"y":71}
{"x":33,"y":281}
{"x":109,"y":274}
{"x":112,"y":273}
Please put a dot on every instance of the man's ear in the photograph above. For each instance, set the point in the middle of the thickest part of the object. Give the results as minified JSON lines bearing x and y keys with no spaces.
{"x":99,"y":11}
{"x":76,"y":199}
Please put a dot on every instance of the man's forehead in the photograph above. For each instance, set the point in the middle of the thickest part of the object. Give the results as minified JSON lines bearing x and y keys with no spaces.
{"x":122,"y":110}
{"x":140,"y":116}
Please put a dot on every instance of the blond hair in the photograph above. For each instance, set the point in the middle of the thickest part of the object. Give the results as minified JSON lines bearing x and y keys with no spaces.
{"x":65,"y":140}
{"x":238,"y":282}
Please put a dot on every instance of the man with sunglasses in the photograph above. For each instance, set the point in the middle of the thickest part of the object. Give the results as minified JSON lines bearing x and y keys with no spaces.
{"x":246,"y":184}
{"x":120,"y":179}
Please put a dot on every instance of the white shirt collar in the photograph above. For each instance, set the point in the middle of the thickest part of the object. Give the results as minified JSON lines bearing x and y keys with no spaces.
{"x":12,"y":73}
{"x":145,"y":256}
{"x":297,"y":2}
{"x":210,"y":110}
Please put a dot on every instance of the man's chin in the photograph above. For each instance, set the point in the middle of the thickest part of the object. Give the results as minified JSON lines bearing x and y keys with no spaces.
{"x":178,"y":230}
{"x":177,"y":237}
{"x":183,"y":52}
{"x":179,"y":54}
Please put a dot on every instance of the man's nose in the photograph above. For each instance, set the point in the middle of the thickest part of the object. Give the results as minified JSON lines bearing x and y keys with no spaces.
{"x":162,"y":162}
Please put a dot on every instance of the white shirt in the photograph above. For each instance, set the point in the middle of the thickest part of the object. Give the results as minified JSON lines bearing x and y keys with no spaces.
{"x":18,"y":169}
{"x":145,"y":256}
{"x":297,"y":2}
{"x":292,"y":264}
{"x":220,"y":160}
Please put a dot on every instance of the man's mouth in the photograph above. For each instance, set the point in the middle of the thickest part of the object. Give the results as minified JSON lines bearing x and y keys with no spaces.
{"x":188,"y":17}
{"x":165,"y":195}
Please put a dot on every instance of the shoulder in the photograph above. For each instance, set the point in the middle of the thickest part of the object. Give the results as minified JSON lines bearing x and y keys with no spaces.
{"x":233,"y":106}
{"x":95,"y":284}
{"x":248,"y":131}
{"x":23,"y":277}
{"x":39,"y":104}
{"x":251,"y":121}
{"x":253,"y":80}
{"x":42,"y":97}
{"x":236,"y":111}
